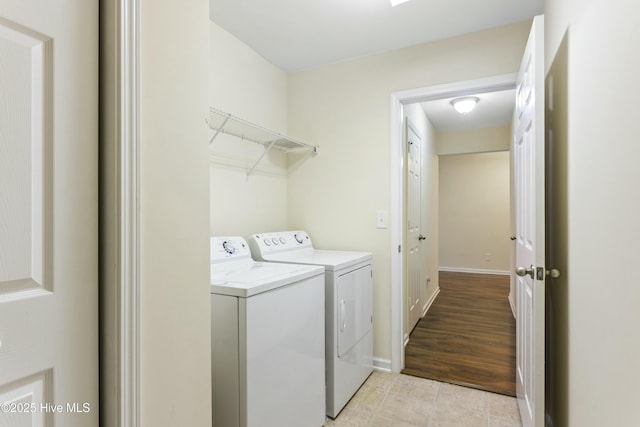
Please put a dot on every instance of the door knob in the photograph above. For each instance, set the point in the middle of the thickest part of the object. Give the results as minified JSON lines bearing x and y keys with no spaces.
{"x":421,"y":237}
{"x":554,"y":273}
{"x":523,"y":271}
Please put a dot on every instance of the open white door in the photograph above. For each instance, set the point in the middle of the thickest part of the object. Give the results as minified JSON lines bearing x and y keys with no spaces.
{"x":529,"y":174}
{"x":48,"y":213}
{"x":414,"y":238}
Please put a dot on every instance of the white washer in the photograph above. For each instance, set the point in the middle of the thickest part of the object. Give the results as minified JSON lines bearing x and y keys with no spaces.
{"x":267,"y":342}
{"x":349,"y":308}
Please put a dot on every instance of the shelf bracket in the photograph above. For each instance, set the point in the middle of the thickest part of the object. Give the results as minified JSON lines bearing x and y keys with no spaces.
{"x":219,"y":129}
{"x":264,"y":153}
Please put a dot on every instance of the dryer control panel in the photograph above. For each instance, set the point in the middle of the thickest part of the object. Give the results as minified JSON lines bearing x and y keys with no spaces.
{"x":280,"y":241}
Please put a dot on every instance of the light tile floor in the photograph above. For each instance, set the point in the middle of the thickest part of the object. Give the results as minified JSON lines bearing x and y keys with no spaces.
{"x":396,"y":400}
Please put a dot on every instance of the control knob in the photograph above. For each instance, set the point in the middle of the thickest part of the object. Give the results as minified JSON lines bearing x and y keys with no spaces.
{"x":229,"y":247}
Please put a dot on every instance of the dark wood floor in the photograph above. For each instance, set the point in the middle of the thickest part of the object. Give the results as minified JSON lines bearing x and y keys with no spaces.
{"x":468,"y":336}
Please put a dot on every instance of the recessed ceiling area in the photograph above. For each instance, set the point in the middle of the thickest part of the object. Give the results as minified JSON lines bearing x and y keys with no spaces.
{"x":302,"y":34}
{"x":493,"y":109}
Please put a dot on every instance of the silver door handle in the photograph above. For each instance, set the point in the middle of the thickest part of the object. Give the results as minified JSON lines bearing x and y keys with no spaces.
{"x":421,"y":237}
{"x":524,"y":271}
{"x":554,"y":273}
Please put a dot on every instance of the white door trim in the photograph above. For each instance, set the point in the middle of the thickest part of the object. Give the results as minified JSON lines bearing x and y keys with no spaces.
{"x":398,"y":100}
{"x":120,"y":220}
{"x":129,"y":229}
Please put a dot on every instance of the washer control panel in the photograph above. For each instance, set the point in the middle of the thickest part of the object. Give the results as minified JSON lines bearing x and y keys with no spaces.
{"x":229,"y":247}
{"x":280,"y":241}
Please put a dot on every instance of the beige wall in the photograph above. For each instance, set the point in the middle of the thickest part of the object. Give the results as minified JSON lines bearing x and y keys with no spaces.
{"x":474,"y":212}
{"x":593,"y":116}
{"x":175,"y":377}
{"x":344,"y":108}
{"x":246,"y":85}
{"x":496,"y":138}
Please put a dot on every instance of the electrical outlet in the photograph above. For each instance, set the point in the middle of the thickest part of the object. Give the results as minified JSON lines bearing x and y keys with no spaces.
{"x":487,"y":257}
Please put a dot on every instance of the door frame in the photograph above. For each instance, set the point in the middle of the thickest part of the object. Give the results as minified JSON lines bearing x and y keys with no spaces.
{"x":398,"y":100}
{"x":129,"y":215}
{"x":120,"y":221}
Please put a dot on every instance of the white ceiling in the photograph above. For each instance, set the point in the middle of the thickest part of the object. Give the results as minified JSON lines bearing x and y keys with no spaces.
{"x":493,"y":109}
{"x":301,"y":34}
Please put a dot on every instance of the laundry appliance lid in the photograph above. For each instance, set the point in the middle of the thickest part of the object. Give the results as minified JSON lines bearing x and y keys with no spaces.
{"x":245,"y":278}
{"x":331,"y":260}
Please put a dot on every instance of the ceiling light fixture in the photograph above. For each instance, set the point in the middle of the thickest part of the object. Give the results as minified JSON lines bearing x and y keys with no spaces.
{"x":465,"y":105}
{"x":394,"y":3}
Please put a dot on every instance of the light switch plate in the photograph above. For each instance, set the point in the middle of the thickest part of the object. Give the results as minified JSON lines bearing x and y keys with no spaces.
{"x":382,"y":219}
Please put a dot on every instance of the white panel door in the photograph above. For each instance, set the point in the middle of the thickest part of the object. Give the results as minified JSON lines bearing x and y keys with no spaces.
{"x":414,"y":260}
{"x":529,"y":173}
{"x":48,"y":213}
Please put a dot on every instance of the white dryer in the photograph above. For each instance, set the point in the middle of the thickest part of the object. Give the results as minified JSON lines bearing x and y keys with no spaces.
{"x":267,"y":342}
{"x":349,"y":307}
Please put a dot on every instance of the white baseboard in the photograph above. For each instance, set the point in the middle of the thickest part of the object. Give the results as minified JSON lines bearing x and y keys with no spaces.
{"x":383,"y":365}
{"x":512,"y":304}
{"x":427,"y":305}
{"x":474,"y":270}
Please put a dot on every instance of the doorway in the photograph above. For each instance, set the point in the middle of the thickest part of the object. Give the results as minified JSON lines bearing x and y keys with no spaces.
{"x":399,"y":103}
{"x":467,"y":334}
